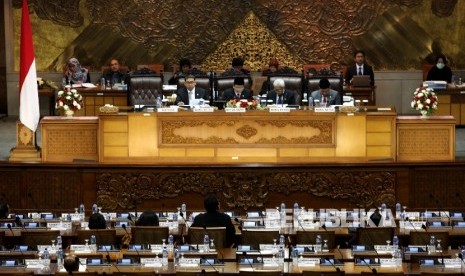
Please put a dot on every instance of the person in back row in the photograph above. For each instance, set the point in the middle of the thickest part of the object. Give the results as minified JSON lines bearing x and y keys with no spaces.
{"x":214,"y":218}
{"x":440,"y":71}
{"x":148,"y":218}
{"x":114,"y":75}
{"x":75,"y":73}
{"x":326,"y":95}
{"x":237,"y":91}
{"x":97,"y":221}
{"x":360,"y":68}
{"x":280,"y":95}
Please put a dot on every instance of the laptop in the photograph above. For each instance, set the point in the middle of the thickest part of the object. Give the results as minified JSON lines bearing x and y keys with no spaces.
{"x":361,"y":81}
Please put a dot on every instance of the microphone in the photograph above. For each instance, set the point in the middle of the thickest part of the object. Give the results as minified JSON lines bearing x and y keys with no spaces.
{"x":332,"y":264}
{"x":375,"y":272}
{"x":461,"y":258}
{"x":337,"y":247}
{"x":248,"y":261}
{"x":13,"y":233}
{"x":206,"y":261}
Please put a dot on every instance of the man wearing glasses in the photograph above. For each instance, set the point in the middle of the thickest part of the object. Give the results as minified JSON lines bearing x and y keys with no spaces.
{"x":115,"y":75}
{"x":189,"y":92}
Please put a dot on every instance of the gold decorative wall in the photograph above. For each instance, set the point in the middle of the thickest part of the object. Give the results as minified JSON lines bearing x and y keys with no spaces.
{"x":396,"y":34}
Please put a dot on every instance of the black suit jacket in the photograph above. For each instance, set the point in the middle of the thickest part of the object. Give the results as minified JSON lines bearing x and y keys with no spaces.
{"x":288,"y":97}
{"x":367,"y":70}
{"x":229,"y":94}
{"x":183,"y":96}
{"x":217,"y":219}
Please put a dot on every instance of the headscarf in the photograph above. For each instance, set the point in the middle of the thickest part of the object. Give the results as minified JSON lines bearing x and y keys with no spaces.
{"x":81,"y":73}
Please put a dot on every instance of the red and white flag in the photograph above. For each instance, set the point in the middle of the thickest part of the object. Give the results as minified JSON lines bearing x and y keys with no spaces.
{"x":29,"y":111}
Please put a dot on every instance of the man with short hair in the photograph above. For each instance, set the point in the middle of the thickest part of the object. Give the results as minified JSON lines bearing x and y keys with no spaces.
{"x":279,"y":95}
{"x":237,"y":91}
{"x":325,"y":95}
{"x":360,"y":68}
{"x":214,"y":218}
{"x":114,"y":75}
{"x":190,"y":92}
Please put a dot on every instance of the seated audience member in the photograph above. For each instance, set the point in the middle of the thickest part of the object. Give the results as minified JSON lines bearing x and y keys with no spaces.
{"x":115,"y":75}
{"x":325,"y":95}
{"x":97,"y":221}
{"x":190,"y":92}
{"x":360,"y":68}
{"x":75,"y":73}
{"x":4,"y":210}
{"x":272,"y":67}
{"x":237,"y":91}
{"x":214,"y":218}
{"x":71,"y":264}
{"x":184,"y":67}
{"x":238,"y":67}
{"x":148,"y":218}
{"x":440,"y":71}
{"x":280,"y":95}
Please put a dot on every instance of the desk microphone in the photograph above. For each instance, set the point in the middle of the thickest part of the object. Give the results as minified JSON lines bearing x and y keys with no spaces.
{"x":337,"y":247}
{"x":248,"y":261}
{"x":97,"y":232}
{"x":375,"y":272}
{"x":461,"y":258}
{"x":135,"y":248}
{"x":13,"y":233}
{"x":209,"y":264}
{"x":333,"y":265}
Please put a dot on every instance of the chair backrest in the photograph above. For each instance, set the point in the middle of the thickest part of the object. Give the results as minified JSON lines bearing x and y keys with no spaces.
{"x":38,"y":237}
{"x":375,"y":235}
{"x":257,"y":237}
{"x":196,"y":235}
{"x":122,"y":68}
{"x":103,"y":236}
{"x":149,"y":234}
{"x":260,"y":273}
{"x":223,"y":83}
{"x":159,"y":68}
{"x":144,"y":89}
{"x":335,"y":81}
{"x":202,"y":82}
{"x":309,"y":237}
{"x":423,"y":238}
{"x":291,"y":82}
{"x":425,"y":70}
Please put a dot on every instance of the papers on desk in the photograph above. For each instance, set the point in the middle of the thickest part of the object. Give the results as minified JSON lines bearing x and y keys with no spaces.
{"x":78,"y":85}
{"x":36,"y":263}
{"x":308,"y":261}
{"x":168,"y":87}
{"x":151,"y":262}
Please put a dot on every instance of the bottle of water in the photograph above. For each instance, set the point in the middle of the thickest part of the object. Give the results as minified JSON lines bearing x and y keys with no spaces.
{"x":296,"y":214}
{"x":432,"y":243}
{"x":93,"y":239}
{"x":170,"y":243}
{"x":281,"y":255}
{"x":94,"y":209}
{"x":398,"y":210}
{"x":164,"y":259}
{"x":176,"y":256}
{"x":310,"y":103}
{"x":175,"y":217}
{"x":283,"y":214}
{"x":282,"y":241}
{"x":295,"y":256}
{"x":395,"y":241}
{"x":82,"y":210}
{"x":383,"y":207}
{"x":159,"y":102}
{"x":46,"y":254}
{"x":60,"y":258}
{"x":398,"y":257}
{"x":318,"y":243}
{"x":59,"y":242}
{"x":206,"y":242}
{"x":183,"y":209}
{"x":102,"y":83}
{"x":68,"y":218}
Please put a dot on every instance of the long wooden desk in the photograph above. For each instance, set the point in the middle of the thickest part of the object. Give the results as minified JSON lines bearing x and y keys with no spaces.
{"x":452,"y":102}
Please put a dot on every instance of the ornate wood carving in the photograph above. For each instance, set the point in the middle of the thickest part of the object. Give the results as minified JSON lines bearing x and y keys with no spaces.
{"x":59,"y":11}
{"x":443,"y":8}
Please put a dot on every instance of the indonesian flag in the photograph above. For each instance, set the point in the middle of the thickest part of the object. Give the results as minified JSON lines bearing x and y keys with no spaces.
{"x":29,"y":112}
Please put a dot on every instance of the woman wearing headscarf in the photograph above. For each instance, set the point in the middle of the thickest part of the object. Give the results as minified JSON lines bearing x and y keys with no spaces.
{"x":75,"y":73}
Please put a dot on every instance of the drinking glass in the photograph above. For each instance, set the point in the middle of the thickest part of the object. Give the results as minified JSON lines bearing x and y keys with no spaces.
{"x":53,"y":244}
{"x":438,"y":247}
{"x":87,"y":243}
{"x":325,"y":246}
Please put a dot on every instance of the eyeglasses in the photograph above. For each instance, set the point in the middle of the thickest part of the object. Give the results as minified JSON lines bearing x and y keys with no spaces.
{"x":114,"y":64}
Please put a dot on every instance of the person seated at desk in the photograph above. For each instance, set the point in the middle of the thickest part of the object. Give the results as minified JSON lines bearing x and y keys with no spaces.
{"x":280,"y":95}
{"x":360,"y":68}
{"x":440,"y":71}
{"x":325,"y":95}
{"x":114,"y":75}
{"x":75,"y":73}
{"x":97,"y":221}
{"x":184,"y":67}
{"x":214,"y":218}
{"x":148,"y":218}
{"x":238,"y":67}
{"x":237,"y":91}
{"x":4,"y":210}
{"x":272,"y":68}
{"x":190,"y":92}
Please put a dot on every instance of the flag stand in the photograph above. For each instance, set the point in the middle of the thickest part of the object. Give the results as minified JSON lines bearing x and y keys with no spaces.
{"x":26,"y":149}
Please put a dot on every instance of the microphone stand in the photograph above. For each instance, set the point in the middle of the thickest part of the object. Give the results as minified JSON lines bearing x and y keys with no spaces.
{"x":135,"y":247}
{"x":209,"y":264}
{"x":333,"y":265}
{"x":248,"y":261}
{"x":337,"y":247}
{"x":373,"y":270}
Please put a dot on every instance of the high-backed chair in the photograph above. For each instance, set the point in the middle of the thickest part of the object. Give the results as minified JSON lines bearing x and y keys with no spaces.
{"x":201,"y":81}
{"x":38,"y":237}
{"x":2,"y":239}
{"x":335,"y":81}
{"x":309,"y":237}
{"x":224,"y":82}
{"x":291,"y":82}
{"x":257,"y":237}
{"x":103,"y":236}
{"x":149,"y":234}
{"x":122,"y":68}
{"x":143,"y":89}
{"x":197,"y":234}
{"x":374,"y":235}
{"x":425,"y":70}
{"x":158,"y":68}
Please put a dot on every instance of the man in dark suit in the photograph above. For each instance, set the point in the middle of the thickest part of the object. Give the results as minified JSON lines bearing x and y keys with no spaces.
{"x":189,"y":92}
{"x":360,"y":68}
{"x":115,"y":75}
{"x":214,"y":218}
{"x":280,"y":95}
{"x":237,"y":91}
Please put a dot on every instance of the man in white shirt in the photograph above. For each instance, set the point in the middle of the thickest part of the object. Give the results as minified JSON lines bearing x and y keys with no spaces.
{"x":360,"y":68}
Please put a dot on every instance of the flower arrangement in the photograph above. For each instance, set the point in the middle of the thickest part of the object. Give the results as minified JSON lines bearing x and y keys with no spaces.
{"x":425,"y":101}
{"x":247,"y":104}
{"x":68,"y":100}
{"x":42,"y":83}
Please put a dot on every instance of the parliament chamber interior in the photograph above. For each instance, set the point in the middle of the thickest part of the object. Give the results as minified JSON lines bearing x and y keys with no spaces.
{"x":232,"y":137}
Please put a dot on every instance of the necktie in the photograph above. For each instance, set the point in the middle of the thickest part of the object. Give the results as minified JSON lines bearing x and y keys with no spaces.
{"x":238,"y":96}
{"x":360,"y":71}
{"x":324,"y":101}
{"x":280,"y":99}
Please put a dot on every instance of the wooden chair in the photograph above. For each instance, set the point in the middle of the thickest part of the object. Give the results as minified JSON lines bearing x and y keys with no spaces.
{"x":2,"y":238}
{"x":309,"y":237}
{"x":196,"y":235}
{"x":103,"y":236}
{"x":38,"y":237}
{"x":257,"y":237}
{"x":425,"y":70}
{"x":374,"y":236}
{"x":143,"y":89}
{"x":260,"y":273}
{"x":159,"y":68}
{"x":148,"y":234}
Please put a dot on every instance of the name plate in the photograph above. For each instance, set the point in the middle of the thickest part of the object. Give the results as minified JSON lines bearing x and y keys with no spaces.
{"x":310,"y":224}
{"x":413,"y":224}
{"x":203,"y":109}
{"x":41,"y":249}
{"x":59,"y":225}
{"x":385,"y":248}
{"x":452,"y":263}
{"x":325,"y":109}
{"x":270,"y":262}
{"x":390,"y":262}
{"x":189,"y":262}
{"x":151,"y":262}
{"x":266,"y":248}
{"x":81,"y":248}
{"x":384,"y":109}
{"x":280,"y":109}
{"x":167,"y":109}
{"x":308,"y":261}
{"x":156,"y":248}
{"x":234,"y":109}
{"x":36,"y":263}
